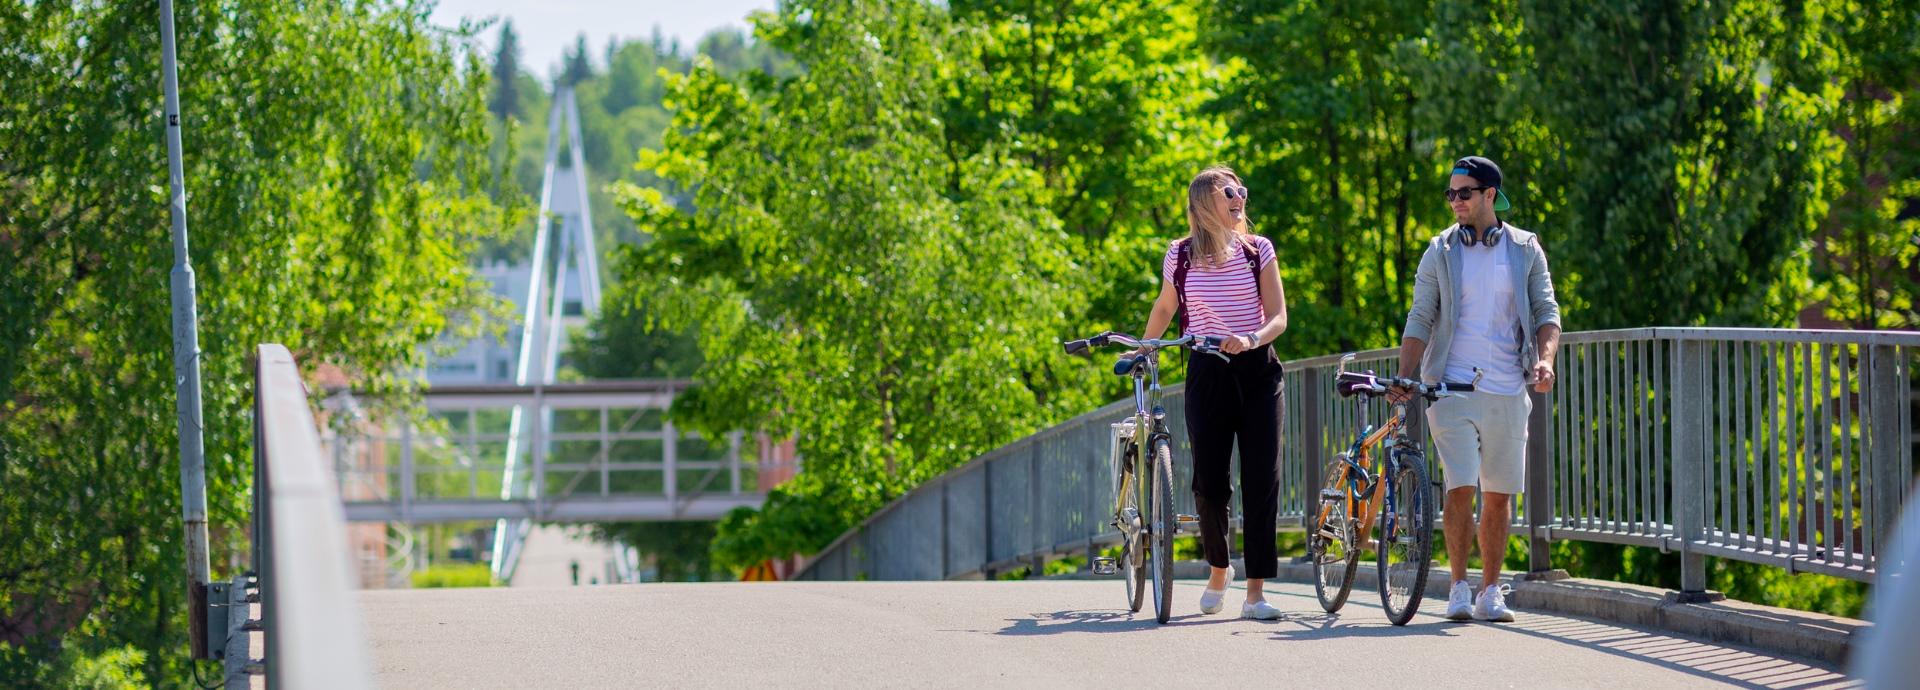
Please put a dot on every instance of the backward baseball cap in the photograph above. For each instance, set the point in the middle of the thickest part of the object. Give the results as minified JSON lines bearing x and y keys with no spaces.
{"x":1487,"y":173}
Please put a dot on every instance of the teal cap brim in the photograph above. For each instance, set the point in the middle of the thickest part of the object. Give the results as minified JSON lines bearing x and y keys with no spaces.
{"x":1500,"y":202}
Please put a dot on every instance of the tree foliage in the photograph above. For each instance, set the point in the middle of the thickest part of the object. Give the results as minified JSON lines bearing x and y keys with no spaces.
{"x":856,"y":278}
{"x":1685,"y":163}
{"x":336,"y":161}
{"x":505,"y":102}
{"x":1865,"y":266}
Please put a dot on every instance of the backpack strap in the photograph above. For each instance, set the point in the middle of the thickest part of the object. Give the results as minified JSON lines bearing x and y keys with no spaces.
{"x":1182,"y":262}
{"x":1253,"y":264}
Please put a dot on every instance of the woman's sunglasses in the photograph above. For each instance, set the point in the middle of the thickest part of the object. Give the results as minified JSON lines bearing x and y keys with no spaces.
{"x":1464,"y":193}
{"x":1233,"y":192}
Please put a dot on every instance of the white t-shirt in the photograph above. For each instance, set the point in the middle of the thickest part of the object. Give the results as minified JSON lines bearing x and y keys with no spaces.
{"x":1488,"y":332}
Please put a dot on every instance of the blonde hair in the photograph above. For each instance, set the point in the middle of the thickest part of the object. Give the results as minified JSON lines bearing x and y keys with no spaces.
{"x":1209,"y":243}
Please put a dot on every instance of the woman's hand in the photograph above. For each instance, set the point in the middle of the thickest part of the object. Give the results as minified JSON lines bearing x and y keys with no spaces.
{"x":1238,"y":344}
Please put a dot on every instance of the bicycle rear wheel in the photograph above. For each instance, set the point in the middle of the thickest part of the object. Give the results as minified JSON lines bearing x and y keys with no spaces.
{"x":1161,"y":549}
{"x":1330,"y":548}
{"x":1405,"y":537}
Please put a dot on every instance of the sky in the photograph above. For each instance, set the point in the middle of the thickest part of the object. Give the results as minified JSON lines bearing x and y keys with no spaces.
{"x":548,"y":27}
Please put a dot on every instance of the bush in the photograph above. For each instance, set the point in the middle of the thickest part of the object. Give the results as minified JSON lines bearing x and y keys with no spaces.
{"x":470,"y":575}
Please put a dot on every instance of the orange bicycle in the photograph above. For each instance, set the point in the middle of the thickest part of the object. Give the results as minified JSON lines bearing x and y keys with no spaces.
{"x":1355,"y":494}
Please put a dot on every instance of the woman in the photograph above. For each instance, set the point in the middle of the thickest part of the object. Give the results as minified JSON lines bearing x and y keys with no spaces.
{"x":1223,"y":281}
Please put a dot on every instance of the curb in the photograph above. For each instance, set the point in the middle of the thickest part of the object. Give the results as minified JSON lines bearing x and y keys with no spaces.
{"x":1784,"y":631}
{"x":1803,"y":634}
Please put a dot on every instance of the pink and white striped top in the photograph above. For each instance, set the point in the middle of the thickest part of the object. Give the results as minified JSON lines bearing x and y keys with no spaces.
{"x":1222,"y":300}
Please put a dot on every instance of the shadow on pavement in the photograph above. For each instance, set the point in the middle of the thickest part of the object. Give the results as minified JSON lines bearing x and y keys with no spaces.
{"x":1100,"y":621}
{"x":1733,"y":666}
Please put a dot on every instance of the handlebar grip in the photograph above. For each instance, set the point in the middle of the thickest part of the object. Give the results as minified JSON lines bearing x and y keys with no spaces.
{"x":1460,"y":388}
{"x":1076,"y":347}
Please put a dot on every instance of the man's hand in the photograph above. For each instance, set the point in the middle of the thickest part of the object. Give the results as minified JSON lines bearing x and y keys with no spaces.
{"x":1543,"y":376}
{"x":1399,"y":394}
{"x":1236,"y":344}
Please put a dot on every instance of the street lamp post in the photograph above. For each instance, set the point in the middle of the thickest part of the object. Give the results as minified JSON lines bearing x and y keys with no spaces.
{"x":186,"y":359}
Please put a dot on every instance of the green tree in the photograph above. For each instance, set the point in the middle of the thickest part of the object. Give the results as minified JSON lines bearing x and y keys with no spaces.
{"x":1323,"y":107}
{"x":1104,"y":100}
{"x":336,"y":161}
{"x":733,"y":51}
{"x":576,"y":65}
{"x":1870,"y":51}
{"x":851,"y":278}
{"x":505,"y":102}
{"x":680,"y":551}
{"x":1691,"y":185}
{"x":623,"y":112}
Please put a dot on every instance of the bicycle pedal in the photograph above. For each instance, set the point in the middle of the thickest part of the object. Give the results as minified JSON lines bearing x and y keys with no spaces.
{"x":1183,"y":517}
{"x":1103,"y":566}
{"x":1332,"y":494}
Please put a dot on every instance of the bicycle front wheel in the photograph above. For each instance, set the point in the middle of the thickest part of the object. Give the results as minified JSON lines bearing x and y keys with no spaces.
{"x":1405,"y":537}
{"x":1161,"y":551}
{"x":1330,"y":547}
{"x":1133,"y":561}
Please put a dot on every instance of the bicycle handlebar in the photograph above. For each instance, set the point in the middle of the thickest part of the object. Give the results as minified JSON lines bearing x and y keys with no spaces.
{"x":1350,"y":383}
{"x":1204,"y":344}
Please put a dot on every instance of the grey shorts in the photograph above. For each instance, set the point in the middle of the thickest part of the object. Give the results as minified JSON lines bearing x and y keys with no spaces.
{"x":1482,"y":439}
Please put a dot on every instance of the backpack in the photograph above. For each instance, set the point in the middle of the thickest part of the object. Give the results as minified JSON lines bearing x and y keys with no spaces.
{"x":1185,"y":261}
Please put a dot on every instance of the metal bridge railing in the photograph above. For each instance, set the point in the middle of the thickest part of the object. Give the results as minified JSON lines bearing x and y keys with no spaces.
{"x":309,"y":615}
{"x":601,"y":450}
{"x":1791,"y":448}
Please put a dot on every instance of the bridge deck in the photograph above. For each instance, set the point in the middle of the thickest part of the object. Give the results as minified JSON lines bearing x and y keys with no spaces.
{"x":994,"y":634}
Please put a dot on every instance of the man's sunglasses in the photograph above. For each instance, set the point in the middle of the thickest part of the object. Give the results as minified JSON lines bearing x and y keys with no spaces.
{"x":1465,"y":193}
{"x":1233,"y":192}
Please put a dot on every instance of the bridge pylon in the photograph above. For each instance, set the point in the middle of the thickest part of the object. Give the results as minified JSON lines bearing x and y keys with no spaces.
{"x":563,"y":291}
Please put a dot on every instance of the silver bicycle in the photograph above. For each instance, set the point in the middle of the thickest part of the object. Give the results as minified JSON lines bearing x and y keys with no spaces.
{"x":1142,"y":467}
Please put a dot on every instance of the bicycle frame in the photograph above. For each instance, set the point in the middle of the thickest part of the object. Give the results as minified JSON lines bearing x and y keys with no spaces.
{"x":1148,"y":423}
{"x":1364,"y":492}
{"x":1150,"y":416}
{"x":1358,"y":460}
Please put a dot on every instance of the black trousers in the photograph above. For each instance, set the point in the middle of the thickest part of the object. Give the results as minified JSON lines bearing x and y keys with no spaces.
{"x":1228,"y":401}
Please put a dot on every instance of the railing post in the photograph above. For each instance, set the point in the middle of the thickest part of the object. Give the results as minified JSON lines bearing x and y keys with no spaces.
{"x":1885,"y":374}
{"x":670,"y":451}
{"x":1687,"y":424}
{"x":946,"y":534}
{"x":408,"y":483}
{"x":1539,"y":499}
{"x":986,"y":517}
{"x":1313,"y":455}
{"x":1036,"y":556}
{"x":537,"y":483}
{"x":733,"y":460}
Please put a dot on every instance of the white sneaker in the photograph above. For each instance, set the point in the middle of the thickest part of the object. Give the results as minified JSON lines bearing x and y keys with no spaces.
{"x":1212,"y":600}
{"x":1492,"y":605}
{"x":1460,"y":601}
{"x":1259,"y":610}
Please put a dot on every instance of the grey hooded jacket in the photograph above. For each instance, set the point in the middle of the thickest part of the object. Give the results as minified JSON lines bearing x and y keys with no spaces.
{"x":1436,"y":292}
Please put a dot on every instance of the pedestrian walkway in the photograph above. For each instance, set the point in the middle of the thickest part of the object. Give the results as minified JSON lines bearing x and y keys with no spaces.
{"x":1057,"y":633}
{"x":553,"y":551}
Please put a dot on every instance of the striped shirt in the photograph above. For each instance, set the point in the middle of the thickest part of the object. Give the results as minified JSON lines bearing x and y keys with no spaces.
{"x":1222,"y":300}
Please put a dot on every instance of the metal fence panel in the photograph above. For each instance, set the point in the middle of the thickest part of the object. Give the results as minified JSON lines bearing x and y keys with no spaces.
{"x":1791,"y":448}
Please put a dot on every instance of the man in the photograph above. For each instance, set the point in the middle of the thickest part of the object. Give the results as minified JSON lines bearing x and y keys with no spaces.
{"x":1482,"y":301}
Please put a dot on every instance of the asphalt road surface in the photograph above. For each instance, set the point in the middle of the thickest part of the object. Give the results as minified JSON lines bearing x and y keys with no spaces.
{"x":1047,"y":633}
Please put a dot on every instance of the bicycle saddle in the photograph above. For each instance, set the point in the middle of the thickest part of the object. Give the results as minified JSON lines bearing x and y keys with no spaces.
{"x":1352,"y":382}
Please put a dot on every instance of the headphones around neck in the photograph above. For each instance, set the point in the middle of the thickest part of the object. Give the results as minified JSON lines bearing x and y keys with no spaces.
{"x":1474,"y":236}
